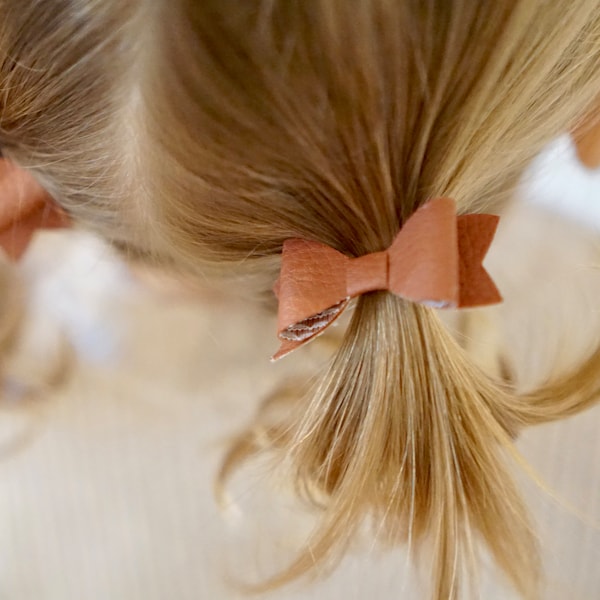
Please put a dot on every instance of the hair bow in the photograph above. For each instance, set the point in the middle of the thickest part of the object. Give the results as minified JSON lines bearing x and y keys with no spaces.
{"x":436,"y":260}
{"x":24,"y":207}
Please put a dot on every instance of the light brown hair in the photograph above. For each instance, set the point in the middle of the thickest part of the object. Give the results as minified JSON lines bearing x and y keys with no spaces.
{"x":205,"y":133}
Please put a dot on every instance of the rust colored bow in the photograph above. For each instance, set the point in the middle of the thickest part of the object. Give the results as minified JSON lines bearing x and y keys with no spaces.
{"x":24,"y":207}
{"x":436,"y":260}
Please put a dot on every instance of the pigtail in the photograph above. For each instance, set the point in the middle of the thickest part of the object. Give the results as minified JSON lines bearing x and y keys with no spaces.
{"x":399,"y":431}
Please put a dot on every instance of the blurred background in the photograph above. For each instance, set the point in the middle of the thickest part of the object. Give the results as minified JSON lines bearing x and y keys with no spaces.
{"x":122,"y":391}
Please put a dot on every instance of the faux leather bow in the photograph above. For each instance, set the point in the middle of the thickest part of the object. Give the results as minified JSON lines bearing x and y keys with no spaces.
{"x":24,"y":207}
{"x":436,"y":259}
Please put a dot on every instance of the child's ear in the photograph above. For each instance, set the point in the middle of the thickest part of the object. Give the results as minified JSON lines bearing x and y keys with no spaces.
{"x":24,"y":207}
{"x":587,"y":140}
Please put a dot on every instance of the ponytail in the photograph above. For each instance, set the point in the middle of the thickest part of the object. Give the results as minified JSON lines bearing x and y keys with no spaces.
{"x":399,"y":429}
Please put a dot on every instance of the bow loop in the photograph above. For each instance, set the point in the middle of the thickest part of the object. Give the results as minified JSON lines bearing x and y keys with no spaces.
{"x":424,"y":256}
{"x":311,"y":289}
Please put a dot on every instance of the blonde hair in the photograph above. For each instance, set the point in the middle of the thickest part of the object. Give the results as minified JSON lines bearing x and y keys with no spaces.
{"x":203,"y":134}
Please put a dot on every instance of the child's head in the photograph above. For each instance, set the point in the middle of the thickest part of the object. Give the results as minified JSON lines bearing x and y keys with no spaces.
{"x":205,"y":133}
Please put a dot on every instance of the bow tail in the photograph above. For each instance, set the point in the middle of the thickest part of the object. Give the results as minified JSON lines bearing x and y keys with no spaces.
{"x":475,"y":235}
{"x":302,"y":332}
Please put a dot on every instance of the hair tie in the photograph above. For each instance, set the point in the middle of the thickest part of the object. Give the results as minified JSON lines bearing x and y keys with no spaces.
{"x":435,"y":259}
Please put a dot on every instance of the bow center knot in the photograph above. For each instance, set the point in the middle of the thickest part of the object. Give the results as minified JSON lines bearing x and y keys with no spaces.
{"x":367,"y":273}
